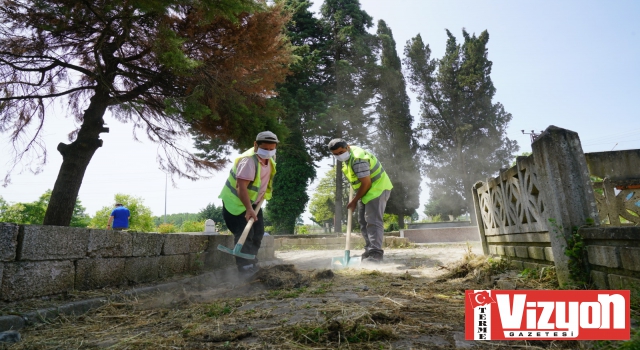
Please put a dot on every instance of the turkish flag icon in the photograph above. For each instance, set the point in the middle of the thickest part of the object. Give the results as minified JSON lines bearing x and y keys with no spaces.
{"x":480,"y":299}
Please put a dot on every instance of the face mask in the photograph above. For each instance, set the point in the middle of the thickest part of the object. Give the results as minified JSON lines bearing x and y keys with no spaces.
{"x":343,"y":157}
{"x":265,"y":154}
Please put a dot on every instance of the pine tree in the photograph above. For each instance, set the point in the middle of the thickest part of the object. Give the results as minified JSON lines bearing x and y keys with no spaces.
{"x":165,"y":66}
{"x":467,"y":130}
{"x":350,"y":65}
{"x":397,"y":147}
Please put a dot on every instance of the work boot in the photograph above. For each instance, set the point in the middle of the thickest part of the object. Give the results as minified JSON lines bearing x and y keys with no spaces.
{"x":374,"y":257}
{"x":247,"y":270}
{"x":365,"y":255}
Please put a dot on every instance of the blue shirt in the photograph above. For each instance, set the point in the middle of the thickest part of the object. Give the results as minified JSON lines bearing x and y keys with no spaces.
{"x":120,"y":217}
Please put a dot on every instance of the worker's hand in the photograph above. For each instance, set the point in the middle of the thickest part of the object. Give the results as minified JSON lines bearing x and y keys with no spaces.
{"x":251,"y":214}
{"x":352,"y":205}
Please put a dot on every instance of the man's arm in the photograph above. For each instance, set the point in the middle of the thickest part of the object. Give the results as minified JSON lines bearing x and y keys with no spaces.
{"x":365,"y":185}
{"x":243,"y":194}
{"x":110,"y":221}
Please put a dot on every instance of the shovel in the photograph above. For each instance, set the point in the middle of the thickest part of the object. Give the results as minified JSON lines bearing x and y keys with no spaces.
{"x":346,"y":260}
{"x":236,"y":251}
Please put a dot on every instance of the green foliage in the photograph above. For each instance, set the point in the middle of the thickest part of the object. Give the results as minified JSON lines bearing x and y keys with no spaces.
{"x":350,"y":64}
{"x":218,"y":309}
{"x":467,"y":129}
{"x":523,"y":154}
{"x":192,"y":226}
{"x":305,"y":103}
{"x":141,"y":217}
{"x":295,"y":172}
{"x":176,"y":219}
{"x":322,"y":206}
{"x":390,"y":222}
{"x":444,"y":203}
{"x":211,"y":211}
{"x":396,"y":146}
{"x":577,"y":253}
{"x":167,"y":228}
{"x":33,"y":213}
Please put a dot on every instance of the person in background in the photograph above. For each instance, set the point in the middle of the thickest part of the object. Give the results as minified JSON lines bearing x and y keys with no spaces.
{"x":119,"y":218}
{"x":250,"y":180}
{"x":373,"y":188}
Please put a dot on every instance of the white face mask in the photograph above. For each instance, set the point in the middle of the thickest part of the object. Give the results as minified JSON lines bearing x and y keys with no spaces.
{"x":343,"y":157}
{"x":265,"y":154}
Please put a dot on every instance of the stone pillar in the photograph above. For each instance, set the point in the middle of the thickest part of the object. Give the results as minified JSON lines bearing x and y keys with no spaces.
{"x":476,"y":202}
{"x":566,"y":190}
{"x":210,"y":227}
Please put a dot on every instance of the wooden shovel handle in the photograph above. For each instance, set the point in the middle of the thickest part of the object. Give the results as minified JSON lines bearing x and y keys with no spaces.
{"x":349,"y":219}
{"x":247,"y":228}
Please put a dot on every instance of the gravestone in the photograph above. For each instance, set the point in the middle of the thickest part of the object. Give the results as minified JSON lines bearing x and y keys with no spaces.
{"x":210,"y":227}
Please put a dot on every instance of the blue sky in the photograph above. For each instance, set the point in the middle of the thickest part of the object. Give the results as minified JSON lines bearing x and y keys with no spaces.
{"x":573,"y":64}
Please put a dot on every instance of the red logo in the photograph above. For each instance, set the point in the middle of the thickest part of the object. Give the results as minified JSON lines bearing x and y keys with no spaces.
{"x":547,"y":314}
{"x":480,"y":299}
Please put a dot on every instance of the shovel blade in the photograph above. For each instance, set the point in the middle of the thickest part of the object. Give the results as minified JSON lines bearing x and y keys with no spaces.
{"x":345,"y":261}
{"x":236,"y":251}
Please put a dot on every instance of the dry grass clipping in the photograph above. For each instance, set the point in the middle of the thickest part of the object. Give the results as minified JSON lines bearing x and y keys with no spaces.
{"x":281,"y":277}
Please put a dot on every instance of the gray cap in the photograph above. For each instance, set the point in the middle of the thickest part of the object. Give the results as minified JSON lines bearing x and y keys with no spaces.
{"x":267,"y":136}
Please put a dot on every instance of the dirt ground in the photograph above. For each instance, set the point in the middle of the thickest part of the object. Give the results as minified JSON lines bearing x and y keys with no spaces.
{"x":404,"y":303}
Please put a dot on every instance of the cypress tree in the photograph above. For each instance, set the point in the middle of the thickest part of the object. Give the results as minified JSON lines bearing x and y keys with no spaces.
{"x":304,"y":102}
{"x":397,"y":147}
{"x":467,"y":130}
{"x":349,"y":70}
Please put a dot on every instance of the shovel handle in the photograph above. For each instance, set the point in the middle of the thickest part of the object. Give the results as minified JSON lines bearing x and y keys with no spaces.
{"x":247,"y":228}
{"x":349,"y":219}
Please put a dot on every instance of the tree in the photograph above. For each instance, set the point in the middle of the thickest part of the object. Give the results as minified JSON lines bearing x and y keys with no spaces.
{"x":141,"y":217}
{"x":176,"y":219}
{"x":396,"y":146}
{"x":466,"y":130}
{"x":444,"y":204}
{"x":33,"y":213}
{"x":168,"y":67}
{"x":304,"y":101}
{"x":211,"y":211}
{"x":350,"y":66}
{"x":322,"y":206}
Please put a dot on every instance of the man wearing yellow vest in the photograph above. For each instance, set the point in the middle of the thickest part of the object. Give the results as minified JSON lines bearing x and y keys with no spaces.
{"x":372,"y":186}
{"x":250,"y":180}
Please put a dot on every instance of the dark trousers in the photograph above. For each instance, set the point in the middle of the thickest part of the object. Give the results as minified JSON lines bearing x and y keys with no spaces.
{"x":236,"y":224}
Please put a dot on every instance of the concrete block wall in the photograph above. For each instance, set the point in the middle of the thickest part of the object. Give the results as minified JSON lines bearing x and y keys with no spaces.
{"x":442,"y":234}
{"x":310,"y":242}
{"x":614,"y":256}
{"x":525,"y":250}
{"x":44,"y":260}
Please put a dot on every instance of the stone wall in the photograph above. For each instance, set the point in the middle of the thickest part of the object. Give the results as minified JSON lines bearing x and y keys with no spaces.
{"x":309,"y":242}
{"x":614,"y":256}
{"x":442,"y":235}
{"x":425,"y":225}
{"x":44,"y":260}
{"x":530,"y":211}
{"x":511,"y":216}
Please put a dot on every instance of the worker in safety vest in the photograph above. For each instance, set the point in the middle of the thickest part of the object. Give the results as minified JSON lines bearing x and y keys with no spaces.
{"x":372,"y":186}
{"x":250,"y":180}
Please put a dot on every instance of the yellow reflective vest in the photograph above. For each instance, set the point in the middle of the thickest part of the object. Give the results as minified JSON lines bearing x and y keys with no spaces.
{"x":229,"y":194}
{"x":379,"y":179}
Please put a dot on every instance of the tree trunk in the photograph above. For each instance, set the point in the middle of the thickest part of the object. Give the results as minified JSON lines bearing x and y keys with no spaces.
{"x":75,"y":159}
{"x":338,"y":202}
{"x":401,"y":221}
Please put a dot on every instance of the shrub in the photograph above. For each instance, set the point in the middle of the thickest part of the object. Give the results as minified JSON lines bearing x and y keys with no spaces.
{"x":167,"y":228}
{"x":192,"y":226}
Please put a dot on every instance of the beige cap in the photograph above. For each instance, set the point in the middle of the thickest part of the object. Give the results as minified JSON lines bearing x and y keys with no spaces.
{"x":267,"y":136}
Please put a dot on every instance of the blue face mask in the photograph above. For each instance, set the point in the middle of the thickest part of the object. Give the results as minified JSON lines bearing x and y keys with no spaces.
{"x":265,"y":154}
{"x":343,"y":157}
